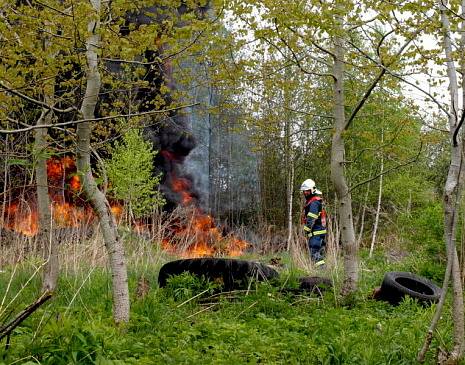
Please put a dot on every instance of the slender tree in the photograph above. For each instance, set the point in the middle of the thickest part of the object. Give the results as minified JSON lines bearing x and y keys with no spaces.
{"x":452,"y":192}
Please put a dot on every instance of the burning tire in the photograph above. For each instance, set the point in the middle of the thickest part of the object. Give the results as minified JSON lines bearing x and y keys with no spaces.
{"x":231,"y":273}
{"x":396,"y":285}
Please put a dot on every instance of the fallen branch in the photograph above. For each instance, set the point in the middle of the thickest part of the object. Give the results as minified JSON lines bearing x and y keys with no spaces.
{"x":8,"y":328}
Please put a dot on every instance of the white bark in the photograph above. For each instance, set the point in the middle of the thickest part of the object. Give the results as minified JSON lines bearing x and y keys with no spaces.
{"x":290,"y":195}
{"x":98,"y":200}
{"x":378,"y":207}
{"x":451,"y":199}
{"x":362,"y":218}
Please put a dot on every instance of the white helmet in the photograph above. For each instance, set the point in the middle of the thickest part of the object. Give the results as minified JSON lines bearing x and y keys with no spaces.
{"x":309,"y":184}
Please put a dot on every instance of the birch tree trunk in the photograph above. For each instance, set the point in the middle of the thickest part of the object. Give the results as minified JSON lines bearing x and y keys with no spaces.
{"x":98,"y":200}
{"x":48,"y":245}
{"x":338,"y":178}
{"x":50,"y":273}
{"x":362,"y":223}
{"x":452,"y":192}
{"x":378,"y":207}
{"x":290,"y":200}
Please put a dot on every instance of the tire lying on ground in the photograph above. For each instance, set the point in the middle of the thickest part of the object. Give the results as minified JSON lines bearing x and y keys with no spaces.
{"x":315,"y":284}
{"x":230,"y":273}
{"x":396,"y":285}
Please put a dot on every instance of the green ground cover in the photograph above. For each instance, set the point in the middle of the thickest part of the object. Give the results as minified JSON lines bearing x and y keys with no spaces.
{"x":266,"y":325}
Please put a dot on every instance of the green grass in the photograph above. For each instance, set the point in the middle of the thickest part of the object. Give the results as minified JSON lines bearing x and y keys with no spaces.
{"x":262,"y":326}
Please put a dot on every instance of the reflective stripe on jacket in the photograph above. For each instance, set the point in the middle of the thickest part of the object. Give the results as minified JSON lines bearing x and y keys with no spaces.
{"x":315,"y":222}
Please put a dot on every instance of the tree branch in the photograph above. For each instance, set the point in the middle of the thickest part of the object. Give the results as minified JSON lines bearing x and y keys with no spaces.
{"x":389,"y":170}
{"x":379,"y":77}
{"x":294,"y":56}
{"x":401,"y":78}
{"x":456,"y":131}
{"x":52,"y":8}
{"x":8,"y":328}
{"x":35,"y":101}
{"x":32,"y":127}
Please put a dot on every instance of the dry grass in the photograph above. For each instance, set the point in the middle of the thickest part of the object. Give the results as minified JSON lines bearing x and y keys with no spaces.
{"x":83,"y":247}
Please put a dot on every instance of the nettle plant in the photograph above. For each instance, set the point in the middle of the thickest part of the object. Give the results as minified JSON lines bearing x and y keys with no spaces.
{"x":131,"y":176}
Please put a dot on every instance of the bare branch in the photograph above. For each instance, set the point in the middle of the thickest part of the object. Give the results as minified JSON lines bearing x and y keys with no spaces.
{"x":379,"y":77}
{"x":403,"y":79}
{"x":52,"y":8}
{"x":110,"y":117}
{"x":8,"y":328}
{"x":389,"y":170}
{"x":35,"y":101}
{"x":456,"y":131}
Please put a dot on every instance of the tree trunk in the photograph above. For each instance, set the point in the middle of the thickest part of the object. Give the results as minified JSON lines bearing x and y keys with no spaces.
{"x":290,"y":195}
{"x":378,"y":207}
{"x":49,"y":246}
{"x":98,"y":200}
{"x":452,"y":192}
{"x":364,"y":208}
{"x":338,"y":178}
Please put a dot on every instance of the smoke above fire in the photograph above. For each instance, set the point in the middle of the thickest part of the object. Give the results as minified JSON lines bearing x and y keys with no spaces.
{"x":196,"y":235}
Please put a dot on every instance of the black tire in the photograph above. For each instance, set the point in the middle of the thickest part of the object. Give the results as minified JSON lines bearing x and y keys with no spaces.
{"x":396,"y":285}
{"x":315,"y":284}
{"x":231,"y":273}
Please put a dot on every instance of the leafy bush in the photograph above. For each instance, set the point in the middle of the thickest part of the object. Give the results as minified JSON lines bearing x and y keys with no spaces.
{"x":130,"y":171}
{"x":423,"y":229}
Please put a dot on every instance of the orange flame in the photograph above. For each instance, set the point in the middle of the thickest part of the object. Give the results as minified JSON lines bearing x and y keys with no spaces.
{"x":200,"y":250}
{"x":201,"y":234}
{"x":23,"y":218}
{"x":201,"y":229}
{"x":75,"y":183}
{"x":181,"y":187}
{"x":25,"y":222}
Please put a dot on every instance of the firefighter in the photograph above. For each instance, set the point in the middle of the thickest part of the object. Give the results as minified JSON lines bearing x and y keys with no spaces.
{"x":314,"y":221}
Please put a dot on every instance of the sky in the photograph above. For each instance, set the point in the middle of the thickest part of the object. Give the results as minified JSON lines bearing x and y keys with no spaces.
{"x":428,"y":109}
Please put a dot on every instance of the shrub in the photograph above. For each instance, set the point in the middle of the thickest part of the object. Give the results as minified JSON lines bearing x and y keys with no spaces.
{"x":130,"y":171}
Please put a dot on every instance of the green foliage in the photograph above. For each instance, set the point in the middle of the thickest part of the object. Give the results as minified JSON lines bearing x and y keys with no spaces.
{"x":185,"y":286}
{"x":408,"y":190}
{"x":264,"y":325}
{"x":130,"y":171}
{"x":423,"y":229}
{"x":425,"y":226}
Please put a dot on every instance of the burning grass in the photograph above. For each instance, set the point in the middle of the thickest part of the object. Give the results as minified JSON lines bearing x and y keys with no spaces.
{"x":190,"y":233}
{"x":186,"y":232}
{"x":181,"y":234}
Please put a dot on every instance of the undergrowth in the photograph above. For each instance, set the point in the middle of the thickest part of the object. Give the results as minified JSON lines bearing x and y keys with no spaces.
{"x":191,"y":322}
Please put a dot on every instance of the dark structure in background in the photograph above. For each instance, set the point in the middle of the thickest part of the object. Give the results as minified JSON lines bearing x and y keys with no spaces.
{"x":199,"y":151}
{"x":198,"y":148}
{"x":170,"y":134}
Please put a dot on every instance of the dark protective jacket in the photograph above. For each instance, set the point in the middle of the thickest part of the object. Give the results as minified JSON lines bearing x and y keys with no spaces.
{"x":314,"y":217}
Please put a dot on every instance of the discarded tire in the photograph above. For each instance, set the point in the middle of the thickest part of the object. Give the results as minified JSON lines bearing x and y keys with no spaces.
{"x":396,"y":285}
{"x":231,"y":273}
{"x":315,"y":284}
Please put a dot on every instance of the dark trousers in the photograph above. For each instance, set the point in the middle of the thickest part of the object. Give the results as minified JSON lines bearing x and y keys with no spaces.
{"x":316,"y":245}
